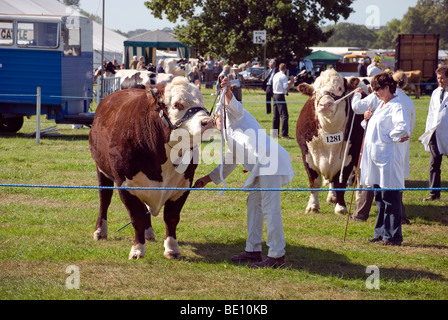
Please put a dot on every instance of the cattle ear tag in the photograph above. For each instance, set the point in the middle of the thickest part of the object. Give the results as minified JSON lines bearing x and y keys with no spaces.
{"x":333,"y":138}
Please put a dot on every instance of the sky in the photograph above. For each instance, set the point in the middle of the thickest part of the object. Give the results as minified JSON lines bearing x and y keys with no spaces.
{"x":132,"y":14}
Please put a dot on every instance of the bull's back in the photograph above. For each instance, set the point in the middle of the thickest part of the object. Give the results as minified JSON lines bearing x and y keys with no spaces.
{"x":117,"y":126}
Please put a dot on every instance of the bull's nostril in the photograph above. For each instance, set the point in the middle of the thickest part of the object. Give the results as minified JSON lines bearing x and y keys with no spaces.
{"x":205,"y":123}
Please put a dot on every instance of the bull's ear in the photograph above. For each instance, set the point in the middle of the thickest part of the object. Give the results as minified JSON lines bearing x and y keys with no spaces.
{"x":155,"y":95}
{"x":306,"y":89}
{"x":151,"y":91}
{"x":353,"y":83}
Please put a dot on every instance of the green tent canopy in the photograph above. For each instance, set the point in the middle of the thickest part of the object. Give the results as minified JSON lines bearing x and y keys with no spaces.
{"x":324,"y":57}
{"x":146,"y":44}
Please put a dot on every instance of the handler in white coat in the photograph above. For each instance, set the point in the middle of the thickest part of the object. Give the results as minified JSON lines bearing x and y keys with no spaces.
{"x":270,"y":167}
{"x":383,"y":158}
{"x":435,"y":138}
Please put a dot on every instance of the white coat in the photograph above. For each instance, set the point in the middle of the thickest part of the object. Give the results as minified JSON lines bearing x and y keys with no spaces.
{"x":360,"y":106}
{"x":249,"y":144}
{"x":409,"y":109}
{"x":437,"y":119}
{"x":383,"y":154}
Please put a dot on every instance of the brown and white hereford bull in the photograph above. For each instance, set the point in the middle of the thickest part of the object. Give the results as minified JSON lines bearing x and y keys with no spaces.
{"x":134,"y":142}
{"x":322,"y":134}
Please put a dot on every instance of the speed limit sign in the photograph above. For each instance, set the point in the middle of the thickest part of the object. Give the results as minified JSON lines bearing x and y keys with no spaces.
{"x":260,"y":37}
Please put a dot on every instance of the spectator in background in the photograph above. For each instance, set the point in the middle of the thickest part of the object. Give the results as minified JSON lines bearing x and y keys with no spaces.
{"x":115,"y":64}
{"x":280,"y":88}
{"x":236,"y":83}
{"x":141,"y":63}
{"x":373,"y":68}
{"x":100,"y":70}
{"x":362,"y":70}
{"x":435,"y":138}
{"x":133,"y":63}
{"x":195,"y":77}
{"x":160,"y":67}
{"x":208,"y":74}
{"x":267,"y":84}
{"x":224,"y":73}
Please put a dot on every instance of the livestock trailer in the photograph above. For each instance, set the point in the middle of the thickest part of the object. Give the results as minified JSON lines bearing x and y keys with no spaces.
{"x":418,"y":52}
{"x":54,"y":53}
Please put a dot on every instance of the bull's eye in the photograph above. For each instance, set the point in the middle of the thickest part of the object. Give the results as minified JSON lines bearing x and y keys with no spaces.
{"x":178,"y":106}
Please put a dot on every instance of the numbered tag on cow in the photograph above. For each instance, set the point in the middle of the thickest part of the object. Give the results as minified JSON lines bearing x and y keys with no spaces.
{"x":333,"y":138}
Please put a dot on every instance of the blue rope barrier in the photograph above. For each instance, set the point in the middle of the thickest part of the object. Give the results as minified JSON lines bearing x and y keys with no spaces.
{"x":217,"y":189}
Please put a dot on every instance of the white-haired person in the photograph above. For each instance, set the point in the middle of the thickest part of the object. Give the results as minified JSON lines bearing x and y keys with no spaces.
{"x":270,"y":167}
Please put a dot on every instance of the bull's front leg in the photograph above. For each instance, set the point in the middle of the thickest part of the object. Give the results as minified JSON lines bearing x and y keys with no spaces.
{"x":105,"y":199}
{"x":171,"y":216}
{"x":331,"y":198}
{"x":139,"y":219}
{"x":341,"y":207}
{"x":313,"y":202}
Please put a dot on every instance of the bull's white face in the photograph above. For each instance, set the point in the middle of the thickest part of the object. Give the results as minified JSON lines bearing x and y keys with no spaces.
{"x":328,"y":87}
{"x":181,"y":95}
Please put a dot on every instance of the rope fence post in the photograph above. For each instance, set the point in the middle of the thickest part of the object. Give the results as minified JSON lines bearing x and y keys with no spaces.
{"x":38,"y":112}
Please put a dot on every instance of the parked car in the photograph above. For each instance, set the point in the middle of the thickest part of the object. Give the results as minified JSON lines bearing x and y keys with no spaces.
{"x":253,"y":75}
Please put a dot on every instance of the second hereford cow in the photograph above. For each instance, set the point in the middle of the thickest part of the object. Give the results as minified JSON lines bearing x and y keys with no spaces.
{"x":322,"y":133}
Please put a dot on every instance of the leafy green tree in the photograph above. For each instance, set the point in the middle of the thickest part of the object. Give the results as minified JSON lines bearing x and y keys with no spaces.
{"x":428,"y":16}
{"x":224,"y":28}
{"x":351,"y":35}
{"x":386,"y":37}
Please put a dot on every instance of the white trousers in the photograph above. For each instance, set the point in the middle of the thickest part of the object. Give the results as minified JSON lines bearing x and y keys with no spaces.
{"x":261,"y":205}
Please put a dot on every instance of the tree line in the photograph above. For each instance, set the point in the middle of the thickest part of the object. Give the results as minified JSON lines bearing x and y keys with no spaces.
{"x":428,"y":16}
{"x":223,"y":28}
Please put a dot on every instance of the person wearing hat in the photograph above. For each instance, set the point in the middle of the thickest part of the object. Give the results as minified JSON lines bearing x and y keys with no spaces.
{"x":362,"y":69}
{"x":236,"y":81}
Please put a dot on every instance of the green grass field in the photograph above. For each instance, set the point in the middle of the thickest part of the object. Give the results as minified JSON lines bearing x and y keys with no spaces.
{"x":43,"y":231}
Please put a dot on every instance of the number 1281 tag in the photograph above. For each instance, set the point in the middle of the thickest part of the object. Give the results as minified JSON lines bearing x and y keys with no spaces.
{"x":333,"y":138}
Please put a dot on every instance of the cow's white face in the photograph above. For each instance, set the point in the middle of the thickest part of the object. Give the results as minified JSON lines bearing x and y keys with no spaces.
{"x":328,"y":87}
{"x":180,"y":96}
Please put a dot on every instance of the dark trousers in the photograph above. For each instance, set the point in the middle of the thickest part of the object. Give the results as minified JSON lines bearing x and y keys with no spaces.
{"x":209,"y":79}
{"x":280,"y":112}
{"x":269,"y":96}
{"x":435,"y":161}
{"x":388,"y":222}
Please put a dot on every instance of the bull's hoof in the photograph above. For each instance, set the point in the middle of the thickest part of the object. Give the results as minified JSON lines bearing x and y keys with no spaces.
{"x":172,"y":255}
{"x":137,"y":251}
{"x":149,"y":234}
{"x":331,"y":198}
{"x":101,"y":232}
{"x":312,"y":210}
{"x":342,"y":210}
{"x":171,"y":248}
{"x":98,"y":236}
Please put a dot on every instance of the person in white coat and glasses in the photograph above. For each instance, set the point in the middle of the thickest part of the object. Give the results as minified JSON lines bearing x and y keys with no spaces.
{"x":383,"y":158}
{"x":435,"y":138}
{"x":270,"y":167}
